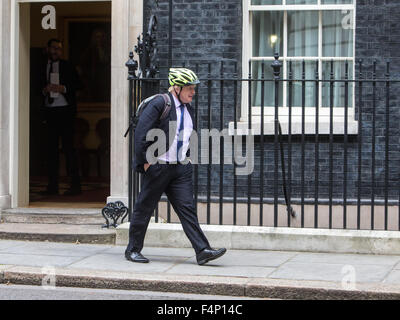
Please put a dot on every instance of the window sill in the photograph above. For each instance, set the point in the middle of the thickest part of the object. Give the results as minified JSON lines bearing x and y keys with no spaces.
{"x":269,"y":128}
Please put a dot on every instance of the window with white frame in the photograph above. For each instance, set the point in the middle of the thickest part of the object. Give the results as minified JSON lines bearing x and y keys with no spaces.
{"x":316,"y":31}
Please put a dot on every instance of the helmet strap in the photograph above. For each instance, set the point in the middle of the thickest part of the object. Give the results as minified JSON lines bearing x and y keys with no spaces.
{"x":179,"y":95}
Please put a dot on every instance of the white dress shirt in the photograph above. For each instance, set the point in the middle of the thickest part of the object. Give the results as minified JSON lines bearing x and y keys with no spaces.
{"x":171,"y":154}
{"x":59,"y":101}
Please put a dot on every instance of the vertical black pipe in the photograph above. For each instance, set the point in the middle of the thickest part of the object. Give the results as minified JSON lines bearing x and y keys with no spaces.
{"x":373,"y":165}
{"x":170,"y":47}
{"x":290,"y":140}
{"x":131,"y":78}
{"x":134,"y":175}
{"x":360,"y":102}
{"x":235,"y":91}
{"x":262,"y":143}
{"x":250,"y":128}
{"x":316,"y":153}
{"x":196,"y":167}
{"x":132,"y":67}
{"x":221,"y":151}
{"x":346,"y":113}
{"x":168,"y":202}
{"x":331,"y":145}
{"x":276,"y":65}
{"x":209,"y":84}
{"x":303,"y":125}
{"x":387,"y":125}
{"x":137,"y":177}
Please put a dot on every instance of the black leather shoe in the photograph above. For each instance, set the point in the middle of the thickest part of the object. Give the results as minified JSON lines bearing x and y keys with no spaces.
{"x":209,"y":254}
{"x":136,"y":257}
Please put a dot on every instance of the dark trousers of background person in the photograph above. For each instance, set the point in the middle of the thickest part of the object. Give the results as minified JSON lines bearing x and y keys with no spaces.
{"x":176,"y":181}
{"x":60,"y":124}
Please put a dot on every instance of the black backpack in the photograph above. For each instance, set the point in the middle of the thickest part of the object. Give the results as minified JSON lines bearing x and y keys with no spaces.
{"x":135,"y":118}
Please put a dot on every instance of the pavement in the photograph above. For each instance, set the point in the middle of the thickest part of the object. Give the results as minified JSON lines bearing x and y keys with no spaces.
{"x":240,"y":273}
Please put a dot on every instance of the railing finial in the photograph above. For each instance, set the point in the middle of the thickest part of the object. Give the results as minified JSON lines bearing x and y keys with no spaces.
{"x":132,"y":66}
{"x":276,"y":65}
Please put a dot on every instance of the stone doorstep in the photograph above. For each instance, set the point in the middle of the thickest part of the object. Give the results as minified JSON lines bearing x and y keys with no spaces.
{"x":53,"y":216}
{"x":211,"y":285}
{"x":275,"y":239}
{"x":68,"y":216}
{"x":57,"y":233}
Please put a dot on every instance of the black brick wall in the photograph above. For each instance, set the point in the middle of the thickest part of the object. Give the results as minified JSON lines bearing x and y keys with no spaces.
{"x":210,"y":31}
{"x":203,"y":30}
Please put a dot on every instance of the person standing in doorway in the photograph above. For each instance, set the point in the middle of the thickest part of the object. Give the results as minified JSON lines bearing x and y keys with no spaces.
{"x":59,"y":82}
{"x":172,"y":174}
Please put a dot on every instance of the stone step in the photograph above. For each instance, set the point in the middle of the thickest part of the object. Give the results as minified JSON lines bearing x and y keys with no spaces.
{"x":70,"y":216}
{"x":93,"y":234}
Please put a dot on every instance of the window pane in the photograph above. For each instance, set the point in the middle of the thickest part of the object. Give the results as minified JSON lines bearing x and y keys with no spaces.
{"x":265,"y":2}
{"x":338,"y":87}
{"x":336,"y":1}
{"x":337,"y":35}
{"x":302,"y":33}
{"x":301,"y":1}
{"x":267,"y":33}
{"x":310,"y":90}
{"x":269,"y":89}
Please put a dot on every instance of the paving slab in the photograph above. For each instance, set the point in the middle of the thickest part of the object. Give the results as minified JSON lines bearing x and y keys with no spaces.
{"x":191,"y":268}
{"x":356,"y":259}
{"x":8,"y":244}
{"x":147,"y":251}
{"x":393,"y":277}
{"x":36,"y":260}
{"x":255,"y":258}
{"x":119,"y":263}
{"x":330,"y":272}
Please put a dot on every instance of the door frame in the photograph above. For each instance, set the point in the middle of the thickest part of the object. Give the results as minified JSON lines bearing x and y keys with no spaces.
{"x":126,"y":25}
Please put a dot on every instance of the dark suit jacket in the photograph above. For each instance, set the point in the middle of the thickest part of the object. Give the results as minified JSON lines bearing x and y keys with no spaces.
{"x":150,"y":119}
{"x":68,"y":78}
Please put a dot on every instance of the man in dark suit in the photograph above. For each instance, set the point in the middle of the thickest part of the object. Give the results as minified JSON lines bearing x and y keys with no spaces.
{"x":170,"y":174}
{"x":59,"y":82}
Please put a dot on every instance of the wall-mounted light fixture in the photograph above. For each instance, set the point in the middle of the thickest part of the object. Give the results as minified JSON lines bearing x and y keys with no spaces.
{"x":273,"y":39}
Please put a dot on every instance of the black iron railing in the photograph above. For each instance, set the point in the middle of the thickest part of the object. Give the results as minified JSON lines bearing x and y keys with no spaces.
{"x":348,"y":180}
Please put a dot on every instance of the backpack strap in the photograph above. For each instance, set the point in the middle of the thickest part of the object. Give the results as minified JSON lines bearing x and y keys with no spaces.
{"x":167,"y":105}
{"x":135,"y":118}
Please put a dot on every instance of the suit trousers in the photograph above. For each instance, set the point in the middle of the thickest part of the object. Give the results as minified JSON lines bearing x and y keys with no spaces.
{"x":176,"y":181}
{"x":60,"y":123}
